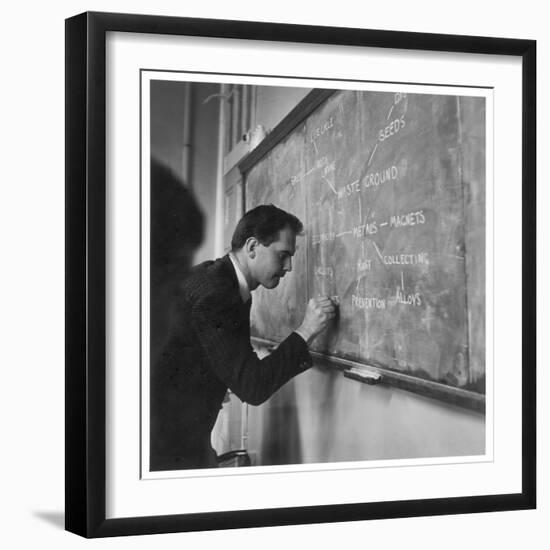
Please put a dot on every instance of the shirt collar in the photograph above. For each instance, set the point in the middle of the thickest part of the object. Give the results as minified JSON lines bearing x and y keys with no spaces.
{"x":243,"y":285}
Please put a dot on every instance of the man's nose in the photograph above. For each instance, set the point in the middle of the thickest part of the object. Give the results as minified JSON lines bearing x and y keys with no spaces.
{"x":288,"y":264}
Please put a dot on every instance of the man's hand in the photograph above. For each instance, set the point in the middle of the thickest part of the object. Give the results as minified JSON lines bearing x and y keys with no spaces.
{"x":320,"y":311}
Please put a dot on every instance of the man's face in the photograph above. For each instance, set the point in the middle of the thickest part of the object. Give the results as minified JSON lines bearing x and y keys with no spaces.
{"x":273,"y":261}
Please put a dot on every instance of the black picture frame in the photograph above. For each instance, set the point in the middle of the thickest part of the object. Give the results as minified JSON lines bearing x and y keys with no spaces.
{"x":86,"y":273}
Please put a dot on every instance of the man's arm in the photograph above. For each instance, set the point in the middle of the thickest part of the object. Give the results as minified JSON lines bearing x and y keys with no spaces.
{"x":223,"y":334}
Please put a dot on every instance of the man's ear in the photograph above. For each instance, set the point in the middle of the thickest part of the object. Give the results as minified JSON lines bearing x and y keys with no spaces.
{"x":250,"y":246}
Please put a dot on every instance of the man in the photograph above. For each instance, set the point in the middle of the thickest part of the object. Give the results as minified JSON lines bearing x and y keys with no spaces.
{"x":209,"y":347}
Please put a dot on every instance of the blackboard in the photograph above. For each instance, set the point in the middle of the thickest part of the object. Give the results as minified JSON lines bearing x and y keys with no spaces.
{"x":391,"y":189}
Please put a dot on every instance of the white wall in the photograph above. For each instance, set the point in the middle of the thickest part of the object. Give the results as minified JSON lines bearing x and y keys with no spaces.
{"x":273,"y":103}
{"x":167,"y":124}
{"x":31,"y":300}
{"x":167,"y":145}
{"x":321,"y":416}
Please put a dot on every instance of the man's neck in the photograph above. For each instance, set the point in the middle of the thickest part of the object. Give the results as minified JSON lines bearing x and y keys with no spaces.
{"x":241,"y":259}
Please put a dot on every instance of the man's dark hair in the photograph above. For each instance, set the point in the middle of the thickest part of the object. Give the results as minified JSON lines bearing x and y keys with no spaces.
{"x":264,"y":222}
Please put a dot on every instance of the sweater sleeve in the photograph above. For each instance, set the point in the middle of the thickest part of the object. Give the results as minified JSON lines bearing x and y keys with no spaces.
{"x":223,"y":334}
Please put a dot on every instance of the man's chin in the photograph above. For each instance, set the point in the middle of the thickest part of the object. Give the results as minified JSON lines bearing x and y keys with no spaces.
{"x":272,"y":283}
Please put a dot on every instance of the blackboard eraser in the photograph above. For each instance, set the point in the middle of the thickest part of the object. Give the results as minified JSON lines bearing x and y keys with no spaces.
{"x":363,"y":375}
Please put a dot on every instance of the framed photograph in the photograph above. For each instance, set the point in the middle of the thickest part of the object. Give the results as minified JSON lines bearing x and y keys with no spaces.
{"x":300,"y":281}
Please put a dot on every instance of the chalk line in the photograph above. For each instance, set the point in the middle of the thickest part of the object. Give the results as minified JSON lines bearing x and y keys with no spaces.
{"x":330,"y":185}
{"x":372,"y":154}
{"x":378,"y":251}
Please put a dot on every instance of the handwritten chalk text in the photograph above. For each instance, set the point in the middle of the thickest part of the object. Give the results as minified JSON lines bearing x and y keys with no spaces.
{"x":406,"y":259}
{"x":321,"y":130}
{"x":398,"y":97}
{"x":405,"y":220}
{"x":374,"y":179}
{"x":324,"y":271}
{"x":364,"y":265}
{"x":408,"y":299}
{"x":368,"y":302}
{"x":365,"y":229}
{"x":349,"y":189}
{"x":323,"y":237}
{"x":393,"y":128}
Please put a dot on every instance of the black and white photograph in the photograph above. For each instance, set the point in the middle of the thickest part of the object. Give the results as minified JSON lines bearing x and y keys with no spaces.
{"x":314,"y":272}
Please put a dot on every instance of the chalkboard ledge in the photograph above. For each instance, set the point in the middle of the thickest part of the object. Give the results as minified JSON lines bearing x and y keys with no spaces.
{"x":428,"y":388}
{"x":371,"y":374}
